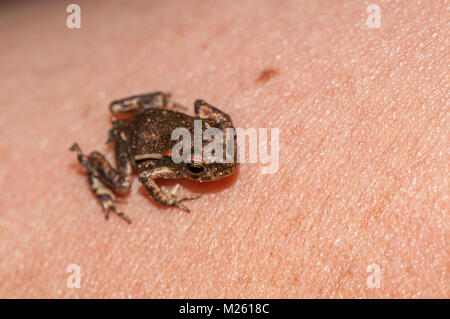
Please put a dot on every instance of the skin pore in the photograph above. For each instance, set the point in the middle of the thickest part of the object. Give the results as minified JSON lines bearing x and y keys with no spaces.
{"x":363,"y":149}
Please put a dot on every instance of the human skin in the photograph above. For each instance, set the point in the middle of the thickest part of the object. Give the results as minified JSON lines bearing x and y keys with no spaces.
{"x":363,"y":149}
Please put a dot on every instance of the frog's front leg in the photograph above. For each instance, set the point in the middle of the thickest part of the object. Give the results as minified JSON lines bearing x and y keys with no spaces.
{"x":161,"y":194}
{"x":155,"y":100}
{"x":105,"y":179}
{"x":206,"y":111}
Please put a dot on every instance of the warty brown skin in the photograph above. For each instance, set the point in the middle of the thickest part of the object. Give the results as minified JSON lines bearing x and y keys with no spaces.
{"x":143,"y":143}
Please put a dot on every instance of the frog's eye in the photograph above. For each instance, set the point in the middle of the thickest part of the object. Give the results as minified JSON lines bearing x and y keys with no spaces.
{"x":195,"y":169}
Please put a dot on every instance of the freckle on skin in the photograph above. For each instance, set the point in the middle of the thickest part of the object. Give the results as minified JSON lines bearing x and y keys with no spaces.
{"x":266,"y":75}
{"x":86,"y":112}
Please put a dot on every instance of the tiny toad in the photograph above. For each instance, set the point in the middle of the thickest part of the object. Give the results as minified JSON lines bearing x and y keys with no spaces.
{"x":143,"y":144}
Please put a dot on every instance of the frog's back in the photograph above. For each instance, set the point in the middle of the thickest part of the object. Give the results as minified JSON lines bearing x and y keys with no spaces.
{"x":150,"y":131}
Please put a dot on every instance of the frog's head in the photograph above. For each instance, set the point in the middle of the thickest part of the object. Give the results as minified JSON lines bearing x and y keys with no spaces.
{"x":210,"y":167}
{"x":203,"y":172}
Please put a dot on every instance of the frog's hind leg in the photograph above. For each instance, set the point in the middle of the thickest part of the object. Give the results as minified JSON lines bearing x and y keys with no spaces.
{"x":106,"y":196}
{"x":155,"y":100}
{"x":105,"y":179}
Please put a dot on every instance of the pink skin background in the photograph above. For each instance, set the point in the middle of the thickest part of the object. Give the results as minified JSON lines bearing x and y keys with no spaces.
{"x":364,"y":149}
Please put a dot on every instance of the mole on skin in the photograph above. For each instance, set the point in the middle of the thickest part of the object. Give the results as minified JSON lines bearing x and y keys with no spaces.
{"x":266,"y":75}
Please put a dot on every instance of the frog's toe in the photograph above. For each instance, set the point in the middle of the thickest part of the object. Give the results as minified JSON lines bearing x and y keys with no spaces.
{"x":172,"y":192}
{"x":106,"y":212}
{"x":121,"y":214}
{"x":179,"y":199}
{"x":192,"y":196}
{"x":181,"y":206}
{"x":109,"y":204}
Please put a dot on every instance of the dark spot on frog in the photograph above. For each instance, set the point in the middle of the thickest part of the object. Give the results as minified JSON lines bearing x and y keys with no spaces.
{"x":266,"y":75}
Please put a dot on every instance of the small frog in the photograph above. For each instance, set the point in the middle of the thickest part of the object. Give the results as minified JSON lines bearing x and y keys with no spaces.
{"x":143,"y":143}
